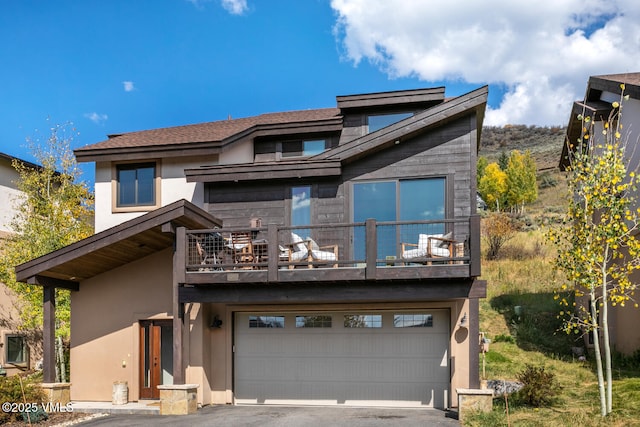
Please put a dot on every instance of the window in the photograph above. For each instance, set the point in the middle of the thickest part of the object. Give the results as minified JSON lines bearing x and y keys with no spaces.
{"x":379,"y":121}
{"x":363,"y":321}
{"x":17,"y":352}
{"x":304,"y":148}
{"x":412,"y":320}
{"x":313,"y":321}
{"x":136,"y":184}
{"x":266,"y":321}
{"x":301,"y":209}
{"x":398,"y":200}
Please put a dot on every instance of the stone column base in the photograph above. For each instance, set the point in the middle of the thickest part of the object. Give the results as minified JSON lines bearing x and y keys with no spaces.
{"x":178,"y":399}
{"x":57,"y":392}
{"x":473,"y":400}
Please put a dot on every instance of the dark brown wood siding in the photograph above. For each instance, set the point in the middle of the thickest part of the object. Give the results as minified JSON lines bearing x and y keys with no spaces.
{"x":447,"y":151}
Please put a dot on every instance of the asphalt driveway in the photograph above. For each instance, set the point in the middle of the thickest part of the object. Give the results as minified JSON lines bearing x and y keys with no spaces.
{"x":278,"y":416}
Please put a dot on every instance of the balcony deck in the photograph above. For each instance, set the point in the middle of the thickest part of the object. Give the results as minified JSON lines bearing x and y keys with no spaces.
{"x":335,"y":253}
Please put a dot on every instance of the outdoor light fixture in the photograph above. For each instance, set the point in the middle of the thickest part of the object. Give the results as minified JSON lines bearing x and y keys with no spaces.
{"x":463,"y":321}
{"x":216,"y":323}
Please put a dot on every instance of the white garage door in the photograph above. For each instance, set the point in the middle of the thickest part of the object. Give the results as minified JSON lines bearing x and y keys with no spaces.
{"x":348,"y":358}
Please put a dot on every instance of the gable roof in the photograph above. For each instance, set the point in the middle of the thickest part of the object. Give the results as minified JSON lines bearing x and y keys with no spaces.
{"x":118,"y":245}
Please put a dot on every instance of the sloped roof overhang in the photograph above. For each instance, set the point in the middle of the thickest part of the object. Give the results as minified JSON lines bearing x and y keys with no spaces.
{"x":205,"y":138}
{"x":330,"y":162}
{"x":258,"y":171}
{"x":424,"y":121}
{"x":400,"y":98}
{"x":597,"y":110}
{"x":114,"y":247}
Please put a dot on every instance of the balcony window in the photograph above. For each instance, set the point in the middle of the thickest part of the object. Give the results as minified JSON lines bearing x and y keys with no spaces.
{"x":398,"y":200}
{"x":301,"y":209}
{"x":136,"y":185}
{"x":379,"y":121}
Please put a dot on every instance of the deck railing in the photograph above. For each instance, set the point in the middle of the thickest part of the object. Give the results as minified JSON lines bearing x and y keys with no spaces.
{"x":368,"y":245}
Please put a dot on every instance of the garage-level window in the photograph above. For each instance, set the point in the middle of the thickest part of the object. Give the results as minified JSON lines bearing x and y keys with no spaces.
{"x":266,"y":321}
{"x":313,"y":321}
{"x":363,"y":321}
{"x":413,"y":320}
{"x":17,"y":352}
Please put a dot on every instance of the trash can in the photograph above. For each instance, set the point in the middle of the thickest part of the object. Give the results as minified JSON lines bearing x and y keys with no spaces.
{"x":120,"y":394}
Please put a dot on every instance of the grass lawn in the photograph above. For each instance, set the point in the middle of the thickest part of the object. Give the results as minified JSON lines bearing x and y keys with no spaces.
{"x":523,"y":277}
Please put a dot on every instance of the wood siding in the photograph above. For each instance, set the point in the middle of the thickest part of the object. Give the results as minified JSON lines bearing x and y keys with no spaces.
{"x":447,"y":151}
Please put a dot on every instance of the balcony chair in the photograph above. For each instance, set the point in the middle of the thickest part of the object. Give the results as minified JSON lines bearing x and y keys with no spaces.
{"x":209,"y":248}
{"x":241,"y":246}
{"x":309,"y":251}
{"x":429,"y":246}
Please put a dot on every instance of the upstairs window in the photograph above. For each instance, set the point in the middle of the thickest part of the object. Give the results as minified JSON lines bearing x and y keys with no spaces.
{"x":305,"y":147}
{"x":379,"y":121}
{"x":136,"y":185}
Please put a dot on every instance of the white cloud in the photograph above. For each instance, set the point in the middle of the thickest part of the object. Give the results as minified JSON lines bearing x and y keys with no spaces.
{"x":300,"y":201}
{"x":128,"y":86}
{"x":235,"y":7}
{"x":96,"y":117}
{"x":542,"y":53}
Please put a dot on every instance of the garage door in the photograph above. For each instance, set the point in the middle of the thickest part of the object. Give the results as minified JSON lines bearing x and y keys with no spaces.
{"x":343,"y":358}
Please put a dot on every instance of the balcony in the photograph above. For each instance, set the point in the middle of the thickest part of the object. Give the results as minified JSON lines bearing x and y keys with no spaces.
{"x":353,"y":252}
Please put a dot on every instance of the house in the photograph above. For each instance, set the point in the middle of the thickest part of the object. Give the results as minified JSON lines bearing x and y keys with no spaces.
{"x":18,"y":349}
{"x":326,"y":257}
{"x":601,"y":92}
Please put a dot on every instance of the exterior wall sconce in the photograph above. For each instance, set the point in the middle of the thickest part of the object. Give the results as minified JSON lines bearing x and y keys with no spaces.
{"x":464,"y":321}
{"x":216,"y":323}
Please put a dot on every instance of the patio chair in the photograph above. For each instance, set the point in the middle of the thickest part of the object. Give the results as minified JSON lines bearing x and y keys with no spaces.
{"x":242,"y":249}
{"x":429,"y":246}
{"x":309,"y":251}
{"x":209,"y":249}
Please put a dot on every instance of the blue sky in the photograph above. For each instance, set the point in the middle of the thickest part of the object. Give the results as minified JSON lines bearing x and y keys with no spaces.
{"x":119,"y":65}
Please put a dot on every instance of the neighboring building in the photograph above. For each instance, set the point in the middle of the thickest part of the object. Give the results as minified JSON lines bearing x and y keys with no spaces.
{"x":601,"y":92}
{"x":17,"y":352}
{"x":323,"y":257}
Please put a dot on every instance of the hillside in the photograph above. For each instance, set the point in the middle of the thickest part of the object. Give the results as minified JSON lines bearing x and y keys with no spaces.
{"x":523,"y":277}
{"x":544,"y":143}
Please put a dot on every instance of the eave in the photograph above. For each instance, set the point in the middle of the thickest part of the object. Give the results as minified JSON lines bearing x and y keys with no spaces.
{"x":597,"y":110}
{"x":472,"y":102}
{"x":115,"y":246}
{"x":206,"y":148}
{"x":259,"y":171}
{"x":392,"y":99}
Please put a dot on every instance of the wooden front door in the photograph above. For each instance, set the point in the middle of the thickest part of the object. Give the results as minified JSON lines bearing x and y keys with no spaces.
{"x":156,"y":356}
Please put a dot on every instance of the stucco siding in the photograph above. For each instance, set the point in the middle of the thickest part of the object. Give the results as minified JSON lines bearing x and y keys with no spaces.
{"x":173,"y":187}
{"x":105,"y":329}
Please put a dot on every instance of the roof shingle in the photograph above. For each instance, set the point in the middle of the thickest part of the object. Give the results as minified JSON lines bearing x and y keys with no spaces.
{"x":211,"y":131}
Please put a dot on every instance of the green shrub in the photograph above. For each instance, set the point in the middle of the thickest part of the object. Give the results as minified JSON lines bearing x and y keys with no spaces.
{"x":504,"y":338}
{"x":539,"y":387}
{"x":547,"y":181}
{"x":12,"y":391}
